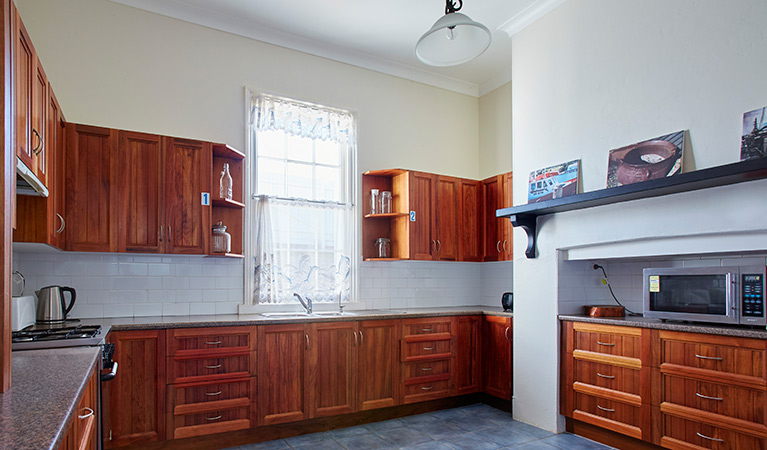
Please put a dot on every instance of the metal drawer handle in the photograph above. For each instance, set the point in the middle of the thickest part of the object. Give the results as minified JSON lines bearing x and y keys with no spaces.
{"x":427,"y":388}
{"x":611,"y":377}
{"x":712,"y":358}
{"x":428,"y":348}
{"x":426,"y":329}
{"x":426,"y":369}
{"x":213,"y":343}
{"x":719,"y":399}
{"x":63,"y":224}
{"x":217,"y":366}
{"x":710,"y":438}
{"x":213,"y":394}
{"x":605,"y":409}
{"x":86,"y":415}
{"x":213,"y":418}
{"x":607,"y":344}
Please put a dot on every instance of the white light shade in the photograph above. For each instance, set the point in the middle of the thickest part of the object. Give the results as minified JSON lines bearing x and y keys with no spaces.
{"x":469,"y":40}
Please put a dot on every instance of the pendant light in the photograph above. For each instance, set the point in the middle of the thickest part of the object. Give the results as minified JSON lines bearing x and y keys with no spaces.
{"x":454,"y":39}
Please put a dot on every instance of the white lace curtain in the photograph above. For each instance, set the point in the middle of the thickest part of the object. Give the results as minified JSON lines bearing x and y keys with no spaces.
{"x":301,"y":119}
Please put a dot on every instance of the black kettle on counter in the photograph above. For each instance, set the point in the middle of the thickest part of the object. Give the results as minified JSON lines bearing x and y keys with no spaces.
{"x":507,"y":301}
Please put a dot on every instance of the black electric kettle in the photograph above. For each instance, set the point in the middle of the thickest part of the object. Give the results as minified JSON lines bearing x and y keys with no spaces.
{"x":507,"y":301}
{"x":51,"y":307}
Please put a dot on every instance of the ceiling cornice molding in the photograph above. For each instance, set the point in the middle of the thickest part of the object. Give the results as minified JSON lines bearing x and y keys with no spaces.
{"x":528,"y":16}
{"x":231,"y":25}
{"x":497,"y":81}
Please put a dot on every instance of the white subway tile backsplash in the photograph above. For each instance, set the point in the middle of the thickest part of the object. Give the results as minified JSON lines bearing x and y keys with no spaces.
{"x":226,"y":308}
{"x":132,"y":269}
{"x":197,"y":309}
{"x":175,"y":309}
{"x":147,"y":310}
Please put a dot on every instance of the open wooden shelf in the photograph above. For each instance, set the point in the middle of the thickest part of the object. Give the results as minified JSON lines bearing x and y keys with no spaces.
{"x":384,"y":259}
{"x":227,"y":151}
{"x":224,"y":203}
{"x":384,"y":216}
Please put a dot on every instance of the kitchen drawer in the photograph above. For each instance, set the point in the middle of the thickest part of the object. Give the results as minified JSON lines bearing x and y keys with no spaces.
{"x":190,"y":394}
{"x":214,"y":368}
{"x":419,"y":392}
{"x":607,"y":376}
{"x":611,"y":414}
{"x":609,"y":340}
{"x":678,"y":433}
{"x":215,"y":417}
{"x":422,"y":350}
{"x":203,"y":341}
{"x":411,"y":327}
{"x":85,"y":425}
{"x":414,"y":370}
{"x":738,"y":360}
{"x":727,"y":400}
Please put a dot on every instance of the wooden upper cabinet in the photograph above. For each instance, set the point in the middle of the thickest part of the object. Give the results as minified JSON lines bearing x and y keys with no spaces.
{"x":281,"y":373}
{"x":140,"y":190}
{"x":447,"y":217}
{"x":378,"y":366}
{"x":507,"y":201}
{"x":332,"y":380}
{"x":91,"y":196}
{"x":421,"y":194}
{"x":23,"y":62}
{"x":469,"y":221}
{"x":187,"y":177}
{"x":496,"y":232}
{"x":39,"y":113}
{"x":56,"y":179}
{"x":497,"y":347}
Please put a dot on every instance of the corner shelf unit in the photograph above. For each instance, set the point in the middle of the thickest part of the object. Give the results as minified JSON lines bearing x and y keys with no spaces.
{"x":526,"y":216}
{"x":229,"y":212}
{"x":393,"y":226}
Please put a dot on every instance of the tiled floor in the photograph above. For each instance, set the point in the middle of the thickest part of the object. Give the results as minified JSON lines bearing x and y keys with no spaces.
{"x":475,"y":427}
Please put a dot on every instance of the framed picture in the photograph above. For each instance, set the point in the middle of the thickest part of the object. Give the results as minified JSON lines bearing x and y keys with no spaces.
{"x":553,"y":182}
{"x":647,"y":160}
{"x":752,"y":142}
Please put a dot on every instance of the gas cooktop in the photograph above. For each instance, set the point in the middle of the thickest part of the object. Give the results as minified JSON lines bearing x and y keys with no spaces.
{"x":53,"y":336}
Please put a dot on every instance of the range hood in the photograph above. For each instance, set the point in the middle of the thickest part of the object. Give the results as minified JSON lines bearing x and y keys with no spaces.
{"x":27,"y":182}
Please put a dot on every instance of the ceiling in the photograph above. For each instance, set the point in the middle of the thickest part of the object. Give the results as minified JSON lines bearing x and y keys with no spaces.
{"x":376,"y":35}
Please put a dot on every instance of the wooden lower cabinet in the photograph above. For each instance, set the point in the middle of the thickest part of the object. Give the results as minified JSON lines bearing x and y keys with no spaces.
{"x":497,"y":352}
{"x":377,"y":364}
{"x":468,"y":354}
{"x":332,"y":374}
{"x":281,"y":369}
{"x":426,"y":355}
{"x":82,"y":433}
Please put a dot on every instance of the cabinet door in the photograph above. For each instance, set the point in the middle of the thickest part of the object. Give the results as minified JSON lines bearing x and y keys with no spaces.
{"x":468,"y":354}
{"x":134,"y":401}
{"x":491,"y":199}
{"x":422,"y":241}
{"x":140,"y":187}
{"x":332,"y":379}
{"x":56,"y":177}
{"x":23,"y":69}
{"x":85,"y":422}
{"x":469,"y":219}
{"x":378,"y":364}
{"x":497,"y":344}
{"x":281,"y":373}
{"x":39,"y":111}
{"x":446,"y":217}
{"x":506,"y":230}
{"x":90,"y":194}
{"x":187,"y":176}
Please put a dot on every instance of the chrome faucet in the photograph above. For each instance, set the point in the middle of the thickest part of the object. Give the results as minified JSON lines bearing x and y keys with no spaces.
{"x":306,"y":304}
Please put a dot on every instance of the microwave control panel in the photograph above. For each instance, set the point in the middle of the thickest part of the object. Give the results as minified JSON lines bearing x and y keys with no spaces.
{"x":753,"y":295}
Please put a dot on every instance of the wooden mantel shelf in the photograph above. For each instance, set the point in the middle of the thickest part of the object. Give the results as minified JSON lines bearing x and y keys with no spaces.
{"x":526,"y":216}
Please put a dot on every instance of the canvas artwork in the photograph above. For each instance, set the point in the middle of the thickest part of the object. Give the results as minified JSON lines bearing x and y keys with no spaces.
{"x":752,"y":142}
{"x":553,"y":182}
{"x":648,"y":160}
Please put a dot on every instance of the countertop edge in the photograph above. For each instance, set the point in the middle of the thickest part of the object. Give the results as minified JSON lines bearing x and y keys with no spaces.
{"x":657,"y":324}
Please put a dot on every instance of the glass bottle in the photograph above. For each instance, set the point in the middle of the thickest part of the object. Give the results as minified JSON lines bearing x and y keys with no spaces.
{"x":226,"y":183}
{"x":222,"y":241}
{"x":374,"y":205}
{"x":385,"y":202}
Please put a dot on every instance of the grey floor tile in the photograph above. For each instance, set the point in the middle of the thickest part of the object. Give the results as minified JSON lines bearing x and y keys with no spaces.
{"x":539,"y":433}
{"x":367,"y":441}
{"x":305,"y":439}
{"x":471,"y":441}
{"x":505,"y":436}
{"x":442,"y":431}
{"x":386,"y":425}
{"x":325,"y":444}
{"x":447,"y":414}
{"x":533,"y":445}
{"x":279,"y":444}
{"x":567,"y":441}
{"x":404,"y":436}
{"x":471,"y":423}
{"x":420,"y":419}
{"x":431,"y":445}
{"x":349,"y":431}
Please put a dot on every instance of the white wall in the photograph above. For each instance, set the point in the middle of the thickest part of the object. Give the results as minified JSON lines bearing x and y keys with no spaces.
{"x":495,"y":132}
{"x":594,"y":75}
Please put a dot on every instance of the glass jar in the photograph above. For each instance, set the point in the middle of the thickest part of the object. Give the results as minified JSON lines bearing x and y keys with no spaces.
{"x":385,"y":202}
{"x":225,"y":183}
{"x":222,"y":241}
{"x":383,"y":245}
{"x":374,"y":204}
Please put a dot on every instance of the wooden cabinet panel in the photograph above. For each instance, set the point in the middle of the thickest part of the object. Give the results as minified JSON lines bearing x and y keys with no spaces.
{"x":187,"y":176}
{"x":611,"y":340}
{"x":24,"y":68}
{"x":39,"y":129}
{"x":438,"y":347}
{"x":206,"y":341}
{"x":469,"y":220}
{"x":86,"y":421}
{"x":613,"y":415}
{"x":497,"y":343}
{"x":446,"y":217}
{"x":468,"y":354}
{"x":140,"y":187}
{"x":717,"y":398}
{"x":281,"y":374}
{"x":90,"y":194}
{"x":608,"y":376}
{"x":679,"y":433}
{"x":491,"y":201}
{"x":422,"y":240}
{"x":134,"y":402}
{"x":377,"y":380}
{"x":430,"y":325}
{"x":215,"y":391}
{"x":421,"y":392}
{"x":189,"y":370}
{"x":56,"y":168}
{"x":426,"y":369}
{"x":332,"y":368}
{"x":506,"y":230}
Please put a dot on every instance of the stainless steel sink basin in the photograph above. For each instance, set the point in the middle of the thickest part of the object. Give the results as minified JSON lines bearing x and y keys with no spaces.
{"x":335,"y":313}
{"x":285,"y":314}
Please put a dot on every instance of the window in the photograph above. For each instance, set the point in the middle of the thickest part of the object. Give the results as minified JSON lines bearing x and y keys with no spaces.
{"x":303,"y":219}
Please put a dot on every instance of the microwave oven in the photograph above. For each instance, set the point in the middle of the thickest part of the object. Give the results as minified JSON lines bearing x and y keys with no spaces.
{"x":726,"y":295}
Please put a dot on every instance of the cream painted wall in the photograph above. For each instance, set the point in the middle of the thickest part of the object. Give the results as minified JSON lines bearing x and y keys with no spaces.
{"x":594,"y":75}
{"x":495,"y":132}
{"x":120,"y":67}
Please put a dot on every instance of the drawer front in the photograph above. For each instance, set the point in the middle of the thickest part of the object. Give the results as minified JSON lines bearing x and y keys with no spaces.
{"x":420,"y":392}
{"x":625,"y":418}
{"x":211,"y":422}
{"x":211,"y":392}
{"x":608,"y":340}
{"x":412,"y":327}
{"x":727,"y":400}
{"x":209,"y":369}
{"x":424,"y":350}
{"x":607,"y":376}
{"x":681,"y":433}
{"x":747,"y":361}
{"x":210,"y":340}
{"x":425,"y":369}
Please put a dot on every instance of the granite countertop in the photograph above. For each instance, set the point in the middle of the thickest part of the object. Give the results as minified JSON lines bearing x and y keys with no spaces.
{"x":225,"y":320}
{"x":646,"y":322}
{"x":46,"y":386}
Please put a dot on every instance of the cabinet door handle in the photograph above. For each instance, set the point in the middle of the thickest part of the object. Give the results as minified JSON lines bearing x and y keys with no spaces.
{"x":214,"y":418}
{"x":498,"y":246}
{"x":504,"y":245}
{"x":506,"y":333}
{"x":86,"y":415}
{"x":63,"y":224}
{"x":605,"y":409}
{"x":606,"y":344}
{"x":40,"y":143}
{"x":217,"y":366}
{"x":428,"y":348}
{"x":169,"y":238}
{"x":212,"y":342}
{"x":611,"y":377}
{"x":433,"y":246}
{"x":307,"y":341}
{"x":427,"y":388}
{"x":355,"y":338}
{"x":213,"y":394}
{"x":426,"y":369}
{"x":362,"y":338}
{"x":719,"y":399}
{"x":439,"y":246}
{"x":712,"y":358}
{"x":709,"y":438}
{"x":160,"y":233}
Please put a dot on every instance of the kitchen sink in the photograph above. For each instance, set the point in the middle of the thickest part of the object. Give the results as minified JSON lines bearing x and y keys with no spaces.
{"x":285,"y":314}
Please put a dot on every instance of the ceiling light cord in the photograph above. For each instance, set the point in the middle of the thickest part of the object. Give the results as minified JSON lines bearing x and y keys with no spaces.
{"x":606,"y":282}
{"x":452,"y":6}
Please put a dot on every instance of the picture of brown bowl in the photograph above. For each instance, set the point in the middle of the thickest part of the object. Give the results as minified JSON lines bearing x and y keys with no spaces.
{"x":648,"y":160}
